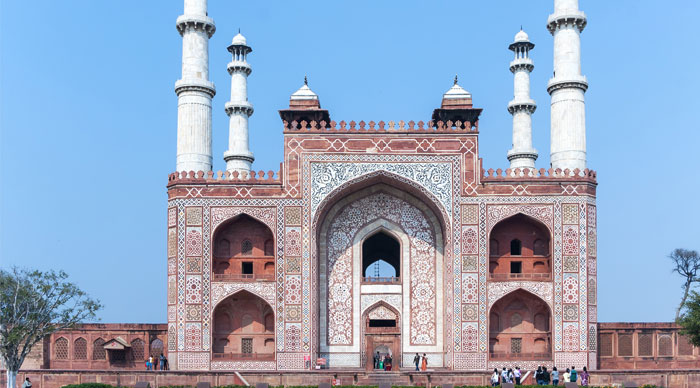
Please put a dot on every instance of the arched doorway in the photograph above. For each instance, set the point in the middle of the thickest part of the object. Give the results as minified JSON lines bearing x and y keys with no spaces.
{"x":379,"y":222}
{"x":243,"y":250}
{"x":520,"y":328}
{"x":519,"y":248}
{"x":381,"y":259}
{"x":243,"y":328}
{"x":382,"y":335}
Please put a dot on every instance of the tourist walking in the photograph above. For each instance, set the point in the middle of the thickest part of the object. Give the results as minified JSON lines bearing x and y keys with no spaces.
{"x":573,"y":376}
{"x":511,"y":376}
{"x":545,"y":376}
{"x":27,"y":383}
{"x":424,"y":363}
{"x":555,"y":376}
{"x":416,"y":360}
{"x":517,"y":374}
{"x":504,"y":375}
{"x":167,"y":366}
{"x":584,"y":377}
{"x":567,"y":376}
{"x":494,"y":378}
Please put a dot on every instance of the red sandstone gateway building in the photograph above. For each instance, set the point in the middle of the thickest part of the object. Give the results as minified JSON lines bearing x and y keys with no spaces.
{"x":483,"y":268}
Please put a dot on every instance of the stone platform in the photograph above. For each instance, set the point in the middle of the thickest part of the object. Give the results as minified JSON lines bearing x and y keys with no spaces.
{"x":58,"y":378}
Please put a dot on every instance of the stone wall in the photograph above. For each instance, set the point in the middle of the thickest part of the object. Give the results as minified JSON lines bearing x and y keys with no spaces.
{"x":648,"y":345}
{"x":667,"y":378}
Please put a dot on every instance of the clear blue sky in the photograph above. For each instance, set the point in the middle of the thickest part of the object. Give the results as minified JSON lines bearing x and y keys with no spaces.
{"x":89,"y":120}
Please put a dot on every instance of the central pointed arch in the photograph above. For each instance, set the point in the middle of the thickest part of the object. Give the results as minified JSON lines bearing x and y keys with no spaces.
{"x":352,"y":195}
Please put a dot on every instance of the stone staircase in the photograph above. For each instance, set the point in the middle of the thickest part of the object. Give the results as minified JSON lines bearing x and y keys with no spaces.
{"x":376,"y":378}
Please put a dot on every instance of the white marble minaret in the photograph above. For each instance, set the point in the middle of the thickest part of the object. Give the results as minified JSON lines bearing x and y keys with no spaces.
{"x":194,"y":90}
{"x":523,"y":155}
{"x":238,"y":156}
{"x":567,"y":87}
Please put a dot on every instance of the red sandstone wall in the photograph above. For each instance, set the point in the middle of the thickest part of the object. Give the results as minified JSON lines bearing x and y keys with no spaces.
{"x":56,"y":379}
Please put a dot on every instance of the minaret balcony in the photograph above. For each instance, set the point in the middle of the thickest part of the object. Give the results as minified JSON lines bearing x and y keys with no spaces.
{"x":232,"y":107}
{"x":564,"y":82}
{"x":195,"y":85}
{"x":566,"y":17}
{"x":522,"y":105}
{"x":239,"y":66}
{"x":522,"y":64}
{"x":202,"y":22}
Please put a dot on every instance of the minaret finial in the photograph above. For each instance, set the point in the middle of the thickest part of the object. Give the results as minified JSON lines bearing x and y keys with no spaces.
{"x":306,"y":80}
{"x":455,"y":79}
{"x":239,"y":29}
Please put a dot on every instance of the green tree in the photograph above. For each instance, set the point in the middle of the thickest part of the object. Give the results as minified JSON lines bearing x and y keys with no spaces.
{"x":690,"y":320}
{"x":687,"y":264}
{"x":34,"y":304}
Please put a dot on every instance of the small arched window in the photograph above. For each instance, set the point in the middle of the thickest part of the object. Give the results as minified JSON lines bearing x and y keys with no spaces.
{"x":80,"y":349}
{"x":61,"y":349}
{"x":516,"y":247}
{"x":156,"y":347}
{"x":98,"y":349}
{"x":246,"y":248}
{"x":137,"y":350}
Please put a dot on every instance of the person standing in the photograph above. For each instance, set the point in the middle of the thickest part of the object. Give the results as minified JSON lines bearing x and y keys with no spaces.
{"x":376,"y":361}
{"x":567,"y":376}
{"x":162,"y":361}
{"x":584,"y":377}
{"x":555,"y":376}
{"x":416,"y":360}
{"x":424,"y":364}
{"x":545,"y":376}
{"x":517,"y":374}
{"x":573,"y":376}
{"x":27,"y":383}
{"x":504,"y":375}
{"x":538,"y":375}
{"x":494,"y":378}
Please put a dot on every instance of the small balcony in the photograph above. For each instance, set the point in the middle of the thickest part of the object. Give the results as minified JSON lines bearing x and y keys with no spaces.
{"x":381,"y":280}
{"x":520,"y":276}
{"x":238,"y":277}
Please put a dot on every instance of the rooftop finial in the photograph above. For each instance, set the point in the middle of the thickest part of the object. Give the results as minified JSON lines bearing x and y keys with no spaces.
{"x":306,"y":81}
{"x":521,"y":27}
{"x":239,"y":29}
{"x":455,"y":79}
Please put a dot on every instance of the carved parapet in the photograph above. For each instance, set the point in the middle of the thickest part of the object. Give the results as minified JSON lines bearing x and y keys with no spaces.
{"x":224,"y":177}
{"x":508,"y":174}
{"x":381,"y":127}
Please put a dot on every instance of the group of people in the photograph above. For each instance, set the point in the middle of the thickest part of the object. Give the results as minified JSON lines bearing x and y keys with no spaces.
{"x":542,"y":376}
{"x":382,"y":362}
{"x":422,"y":361}
{"x":152,"y":363}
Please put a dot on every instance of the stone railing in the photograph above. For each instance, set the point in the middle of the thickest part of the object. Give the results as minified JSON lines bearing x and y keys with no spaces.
{"x":527,"y":174}
{"x":225,"y":177}
{"x":381,"y":126}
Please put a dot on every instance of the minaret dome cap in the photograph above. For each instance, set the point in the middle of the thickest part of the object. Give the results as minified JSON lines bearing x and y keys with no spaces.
{"x":239,"y":39}
{"x":521,"y":36}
